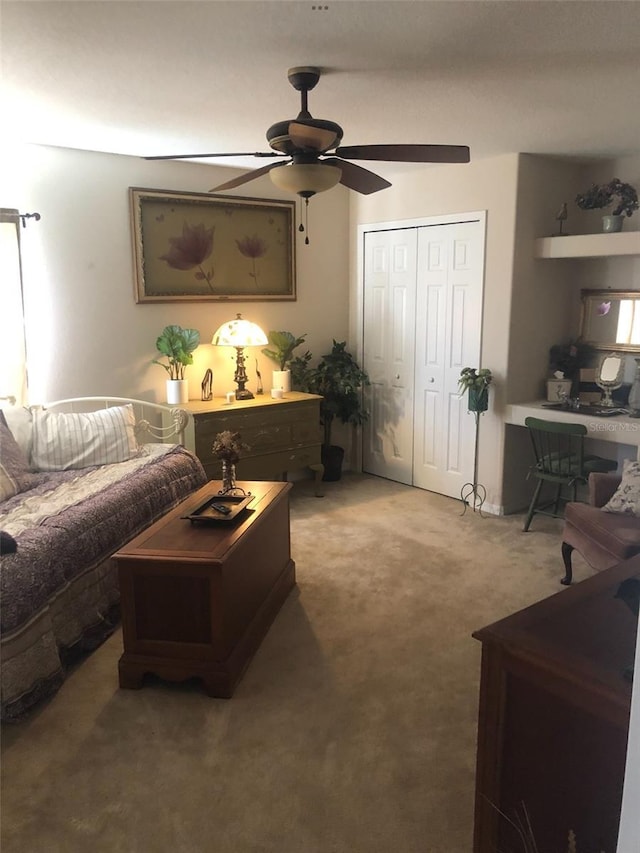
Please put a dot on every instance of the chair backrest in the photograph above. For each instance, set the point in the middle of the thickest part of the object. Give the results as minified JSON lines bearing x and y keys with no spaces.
{"x":558,"y":448}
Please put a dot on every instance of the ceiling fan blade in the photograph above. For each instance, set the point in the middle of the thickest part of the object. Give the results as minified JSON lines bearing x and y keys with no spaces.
{"x":225,"y":154}
{"x":358,"y":179}
{"x":307,"y":136}
{"x":244,"y":179}
{"x":406,"y":153}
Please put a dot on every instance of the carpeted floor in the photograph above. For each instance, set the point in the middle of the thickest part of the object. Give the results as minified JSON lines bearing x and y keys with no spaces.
{"x":354,"y":728}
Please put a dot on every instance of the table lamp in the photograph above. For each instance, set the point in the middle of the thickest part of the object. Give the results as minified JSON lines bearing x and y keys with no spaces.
{"x":240,"y":333}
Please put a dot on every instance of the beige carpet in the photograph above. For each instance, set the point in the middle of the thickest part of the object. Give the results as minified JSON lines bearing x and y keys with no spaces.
{"x":354,"y":728}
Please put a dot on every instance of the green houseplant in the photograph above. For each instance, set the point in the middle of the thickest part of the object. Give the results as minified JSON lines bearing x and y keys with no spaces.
{"x":281,"y":347}
{"x":177,"y":345}
{"x":476,"y":383}
{"x":621,"y":197}
{"x":280,"y":350}
{"x":338,"y":379}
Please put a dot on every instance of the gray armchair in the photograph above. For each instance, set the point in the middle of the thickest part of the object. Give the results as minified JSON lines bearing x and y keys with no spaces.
{"x":602,"y":538}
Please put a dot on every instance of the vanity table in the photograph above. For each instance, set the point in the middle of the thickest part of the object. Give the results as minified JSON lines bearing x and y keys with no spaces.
{"x":618,"y":429}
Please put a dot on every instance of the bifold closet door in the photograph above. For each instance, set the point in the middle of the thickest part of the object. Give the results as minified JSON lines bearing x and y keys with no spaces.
{"x":422,"y":325}
{"x":388,"y":347}
{"x":448,"y":330}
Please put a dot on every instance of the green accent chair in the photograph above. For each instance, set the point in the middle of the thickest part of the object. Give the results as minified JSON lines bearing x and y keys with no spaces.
{"x":560,"y":460}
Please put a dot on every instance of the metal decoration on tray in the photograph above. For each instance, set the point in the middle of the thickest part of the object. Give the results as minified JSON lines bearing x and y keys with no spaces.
{"x":228,"y":446}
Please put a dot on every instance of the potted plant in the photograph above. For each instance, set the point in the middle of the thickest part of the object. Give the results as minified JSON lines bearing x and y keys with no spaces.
{"x":282,"y":345}
{"x":338,"y":380}
{"x":565,"y":362}
{"x":622,"y":198}
{"x":476,"y":382}
{"x":177,"y":345}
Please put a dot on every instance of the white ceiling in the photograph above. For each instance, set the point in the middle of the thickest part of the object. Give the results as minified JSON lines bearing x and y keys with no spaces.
{"x":186,"y":76}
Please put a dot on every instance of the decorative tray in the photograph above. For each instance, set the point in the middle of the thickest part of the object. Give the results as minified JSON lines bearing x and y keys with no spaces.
{"x":597,"y":411}
{"x":220,"y":509}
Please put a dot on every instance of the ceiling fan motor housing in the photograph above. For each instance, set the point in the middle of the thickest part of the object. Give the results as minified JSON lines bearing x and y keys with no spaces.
{"x":279,"y":139}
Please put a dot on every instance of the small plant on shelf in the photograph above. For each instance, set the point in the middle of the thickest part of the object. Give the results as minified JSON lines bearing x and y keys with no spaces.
{"x":621,"y":197}
{"x":281,"y":347}
{"x":569,"y":358}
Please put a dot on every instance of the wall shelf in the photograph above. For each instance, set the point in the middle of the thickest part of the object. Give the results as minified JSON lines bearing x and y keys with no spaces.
{"x":589,"y":245}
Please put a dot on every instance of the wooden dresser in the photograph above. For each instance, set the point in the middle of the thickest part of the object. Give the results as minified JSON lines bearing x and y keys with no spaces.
{"x":283,"y":435}
{"x":554,"y":717}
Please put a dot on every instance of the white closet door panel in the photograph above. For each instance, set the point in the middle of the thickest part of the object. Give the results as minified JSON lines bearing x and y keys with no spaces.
{"x":449,"y":263}
{"x":388,"y":337}
{"x":422,"y":325}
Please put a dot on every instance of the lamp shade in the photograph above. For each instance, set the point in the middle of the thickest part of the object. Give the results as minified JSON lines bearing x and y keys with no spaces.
{"x":239,"y":333}
{"x":306,"y":179}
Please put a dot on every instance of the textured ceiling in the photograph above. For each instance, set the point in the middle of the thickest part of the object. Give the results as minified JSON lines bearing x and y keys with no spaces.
{"x":560,"y":77}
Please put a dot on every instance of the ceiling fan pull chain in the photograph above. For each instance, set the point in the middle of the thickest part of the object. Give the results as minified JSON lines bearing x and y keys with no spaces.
{"x":301,"y":226}
{"x":306,"y":220}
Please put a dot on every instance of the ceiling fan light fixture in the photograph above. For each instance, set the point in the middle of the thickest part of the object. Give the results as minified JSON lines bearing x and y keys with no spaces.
{"x":306,"y":179}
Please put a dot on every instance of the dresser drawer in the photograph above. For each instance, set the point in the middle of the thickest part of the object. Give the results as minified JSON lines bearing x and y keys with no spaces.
{"x":272,"y":466}
{"x":262,"y":430}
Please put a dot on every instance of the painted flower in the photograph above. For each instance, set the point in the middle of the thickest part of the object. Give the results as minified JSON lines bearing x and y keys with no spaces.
{"x":190,"y":250}
{"x":252,"y":247}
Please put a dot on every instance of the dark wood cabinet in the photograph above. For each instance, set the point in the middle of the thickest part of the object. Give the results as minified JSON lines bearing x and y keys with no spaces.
{"x":283,"y":435}
{"x":554,"y":716}
{"x":197,"y":599}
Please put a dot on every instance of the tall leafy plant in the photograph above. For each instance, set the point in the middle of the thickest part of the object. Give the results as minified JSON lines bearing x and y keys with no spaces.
{"x":338,"y":379}
{"x":176,"y":345}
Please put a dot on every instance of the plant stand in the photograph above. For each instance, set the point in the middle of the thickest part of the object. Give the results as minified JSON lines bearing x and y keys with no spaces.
{"x":474,"y":494}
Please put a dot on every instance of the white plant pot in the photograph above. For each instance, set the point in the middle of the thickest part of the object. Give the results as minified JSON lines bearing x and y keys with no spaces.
{"x":177,"y":391}
{"x":282,"y":379}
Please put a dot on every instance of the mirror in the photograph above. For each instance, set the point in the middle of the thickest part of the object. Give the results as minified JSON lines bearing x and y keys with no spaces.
{"x":609,"y":376}
{"x":611,"y":319}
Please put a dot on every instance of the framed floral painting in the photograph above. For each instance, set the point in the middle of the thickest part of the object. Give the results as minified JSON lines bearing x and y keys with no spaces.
{"x":197,"y":247}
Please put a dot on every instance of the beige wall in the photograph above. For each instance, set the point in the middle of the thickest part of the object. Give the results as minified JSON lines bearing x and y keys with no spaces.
{"x":88,"y":336}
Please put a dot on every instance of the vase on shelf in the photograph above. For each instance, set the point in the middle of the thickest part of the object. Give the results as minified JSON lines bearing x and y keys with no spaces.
{"x":612,"y":224}
{"x":228,"y":476}
{"x":634,"y":393}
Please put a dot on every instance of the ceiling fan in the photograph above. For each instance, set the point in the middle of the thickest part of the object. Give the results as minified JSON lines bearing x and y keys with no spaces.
{"x":310,"y":158}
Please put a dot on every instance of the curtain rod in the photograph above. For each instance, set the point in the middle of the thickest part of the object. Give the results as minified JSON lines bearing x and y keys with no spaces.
{"x":24,"y":216}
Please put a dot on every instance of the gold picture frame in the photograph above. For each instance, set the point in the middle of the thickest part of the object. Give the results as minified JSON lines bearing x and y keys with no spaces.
{"x":198,"y":247}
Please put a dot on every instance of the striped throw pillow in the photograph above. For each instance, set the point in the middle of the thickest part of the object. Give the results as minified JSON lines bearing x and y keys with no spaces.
{"x":64,"y":440}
